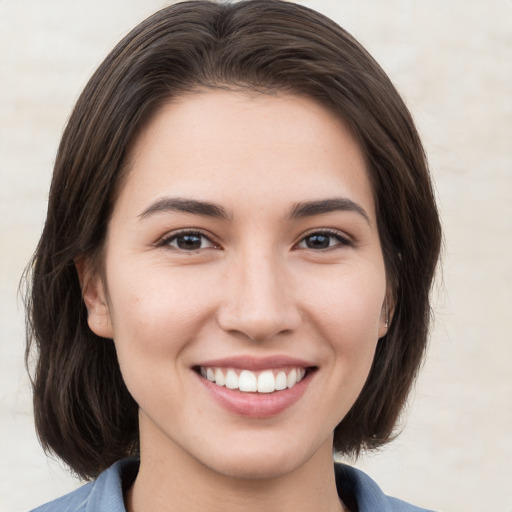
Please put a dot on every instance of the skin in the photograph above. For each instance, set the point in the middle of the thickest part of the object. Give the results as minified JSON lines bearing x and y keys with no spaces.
{"x":254,"y":286}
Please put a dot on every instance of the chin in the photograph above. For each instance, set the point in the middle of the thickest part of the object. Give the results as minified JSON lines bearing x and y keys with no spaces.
{"x":257,"y":463}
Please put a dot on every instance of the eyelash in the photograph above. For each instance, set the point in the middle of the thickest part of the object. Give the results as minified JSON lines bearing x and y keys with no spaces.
{"x":342,"y":240}
{"x":167,"y":240}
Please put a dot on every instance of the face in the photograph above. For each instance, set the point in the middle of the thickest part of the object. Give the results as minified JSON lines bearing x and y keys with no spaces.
{"x":244,"y":283}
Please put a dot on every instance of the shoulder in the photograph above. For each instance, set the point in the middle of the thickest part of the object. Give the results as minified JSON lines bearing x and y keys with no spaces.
{"x":74,"y":501}
{"x":362,"y":494}
{"x":103,"y":494}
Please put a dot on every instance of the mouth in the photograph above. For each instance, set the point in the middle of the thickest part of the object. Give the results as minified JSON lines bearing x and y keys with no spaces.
{"x":257,"y":388}
{"x":267,"y":381}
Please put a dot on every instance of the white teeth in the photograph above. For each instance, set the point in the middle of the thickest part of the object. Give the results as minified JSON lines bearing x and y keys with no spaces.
{"x":250,"y":382}
{"x":281,"y":381}
{"x":266,"y":382}
{"x":292,"y":378}
{"x":231,"y":380}
{"x":247,"y":381}
{"x":219,"y":377}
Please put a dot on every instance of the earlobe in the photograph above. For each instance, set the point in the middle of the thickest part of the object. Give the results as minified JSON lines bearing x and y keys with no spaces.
{"x":385,"y":317}
{"x":95,"y":299}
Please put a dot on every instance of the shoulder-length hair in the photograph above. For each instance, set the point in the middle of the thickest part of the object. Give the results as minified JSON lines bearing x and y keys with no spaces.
{"x":83,"y":411}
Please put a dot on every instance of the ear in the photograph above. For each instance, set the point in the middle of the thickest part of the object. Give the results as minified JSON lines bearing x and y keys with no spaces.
{"x":386,"y":315}
{"x":95,"y":298}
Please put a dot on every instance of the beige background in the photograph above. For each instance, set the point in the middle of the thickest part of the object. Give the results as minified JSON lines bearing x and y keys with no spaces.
{"x":452,"y":60}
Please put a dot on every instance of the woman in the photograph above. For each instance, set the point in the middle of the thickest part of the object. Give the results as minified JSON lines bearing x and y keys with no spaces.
{"x":234,"y":273}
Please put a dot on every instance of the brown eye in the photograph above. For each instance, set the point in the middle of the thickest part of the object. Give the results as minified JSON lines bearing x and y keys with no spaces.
{"x":189,"y":241}
{"x":323,"y":240}
{"x":318,"y":241}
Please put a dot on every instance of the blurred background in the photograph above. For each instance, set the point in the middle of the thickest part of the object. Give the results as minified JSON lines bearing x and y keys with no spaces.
{"x":452,"y":62}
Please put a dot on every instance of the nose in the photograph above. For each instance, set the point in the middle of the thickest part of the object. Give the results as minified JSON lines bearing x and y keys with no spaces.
{"x":258,"y":299}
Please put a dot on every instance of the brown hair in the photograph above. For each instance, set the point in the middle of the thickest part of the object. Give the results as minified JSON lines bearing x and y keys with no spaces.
{"x":83,"y":411}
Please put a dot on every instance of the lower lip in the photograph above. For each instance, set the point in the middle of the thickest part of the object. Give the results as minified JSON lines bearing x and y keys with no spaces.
{"x":256,"y":405}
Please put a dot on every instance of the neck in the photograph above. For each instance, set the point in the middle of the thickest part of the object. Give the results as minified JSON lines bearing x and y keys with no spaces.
{"x":173,"y":480}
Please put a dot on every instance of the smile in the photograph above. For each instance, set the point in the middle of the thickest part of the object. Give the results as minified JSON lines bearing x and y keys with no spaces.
{"x":247,"y":381}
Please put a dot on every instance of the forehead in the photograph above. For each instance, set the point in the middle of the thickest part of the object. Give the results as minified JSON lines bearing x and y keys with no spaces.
{"x":222,"y":145}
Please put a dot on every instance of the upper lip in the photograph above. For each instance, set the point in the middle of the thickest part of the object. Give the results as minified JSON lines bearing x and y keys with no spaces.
{"x":257,"y":363}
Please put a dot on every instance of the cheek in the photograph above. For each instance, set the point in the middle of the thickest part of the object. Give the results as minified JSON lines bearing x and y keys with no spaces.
{"x":348,"y":305}
{"x":154,"y":318}
{"x":155,"y":299}
{"x":346,"y":311}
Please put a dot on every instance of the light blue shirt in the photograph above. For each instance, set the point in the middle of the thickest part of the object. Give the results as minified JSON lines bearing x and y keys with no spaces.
{"x":105,"y":494}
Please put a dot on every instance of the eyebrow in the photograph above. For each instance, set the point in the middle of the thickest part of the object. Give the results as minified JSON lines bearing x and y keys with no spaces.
{"x":180,"y":204}
{"x":298,"y":211}
{"x":337,"y":204}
